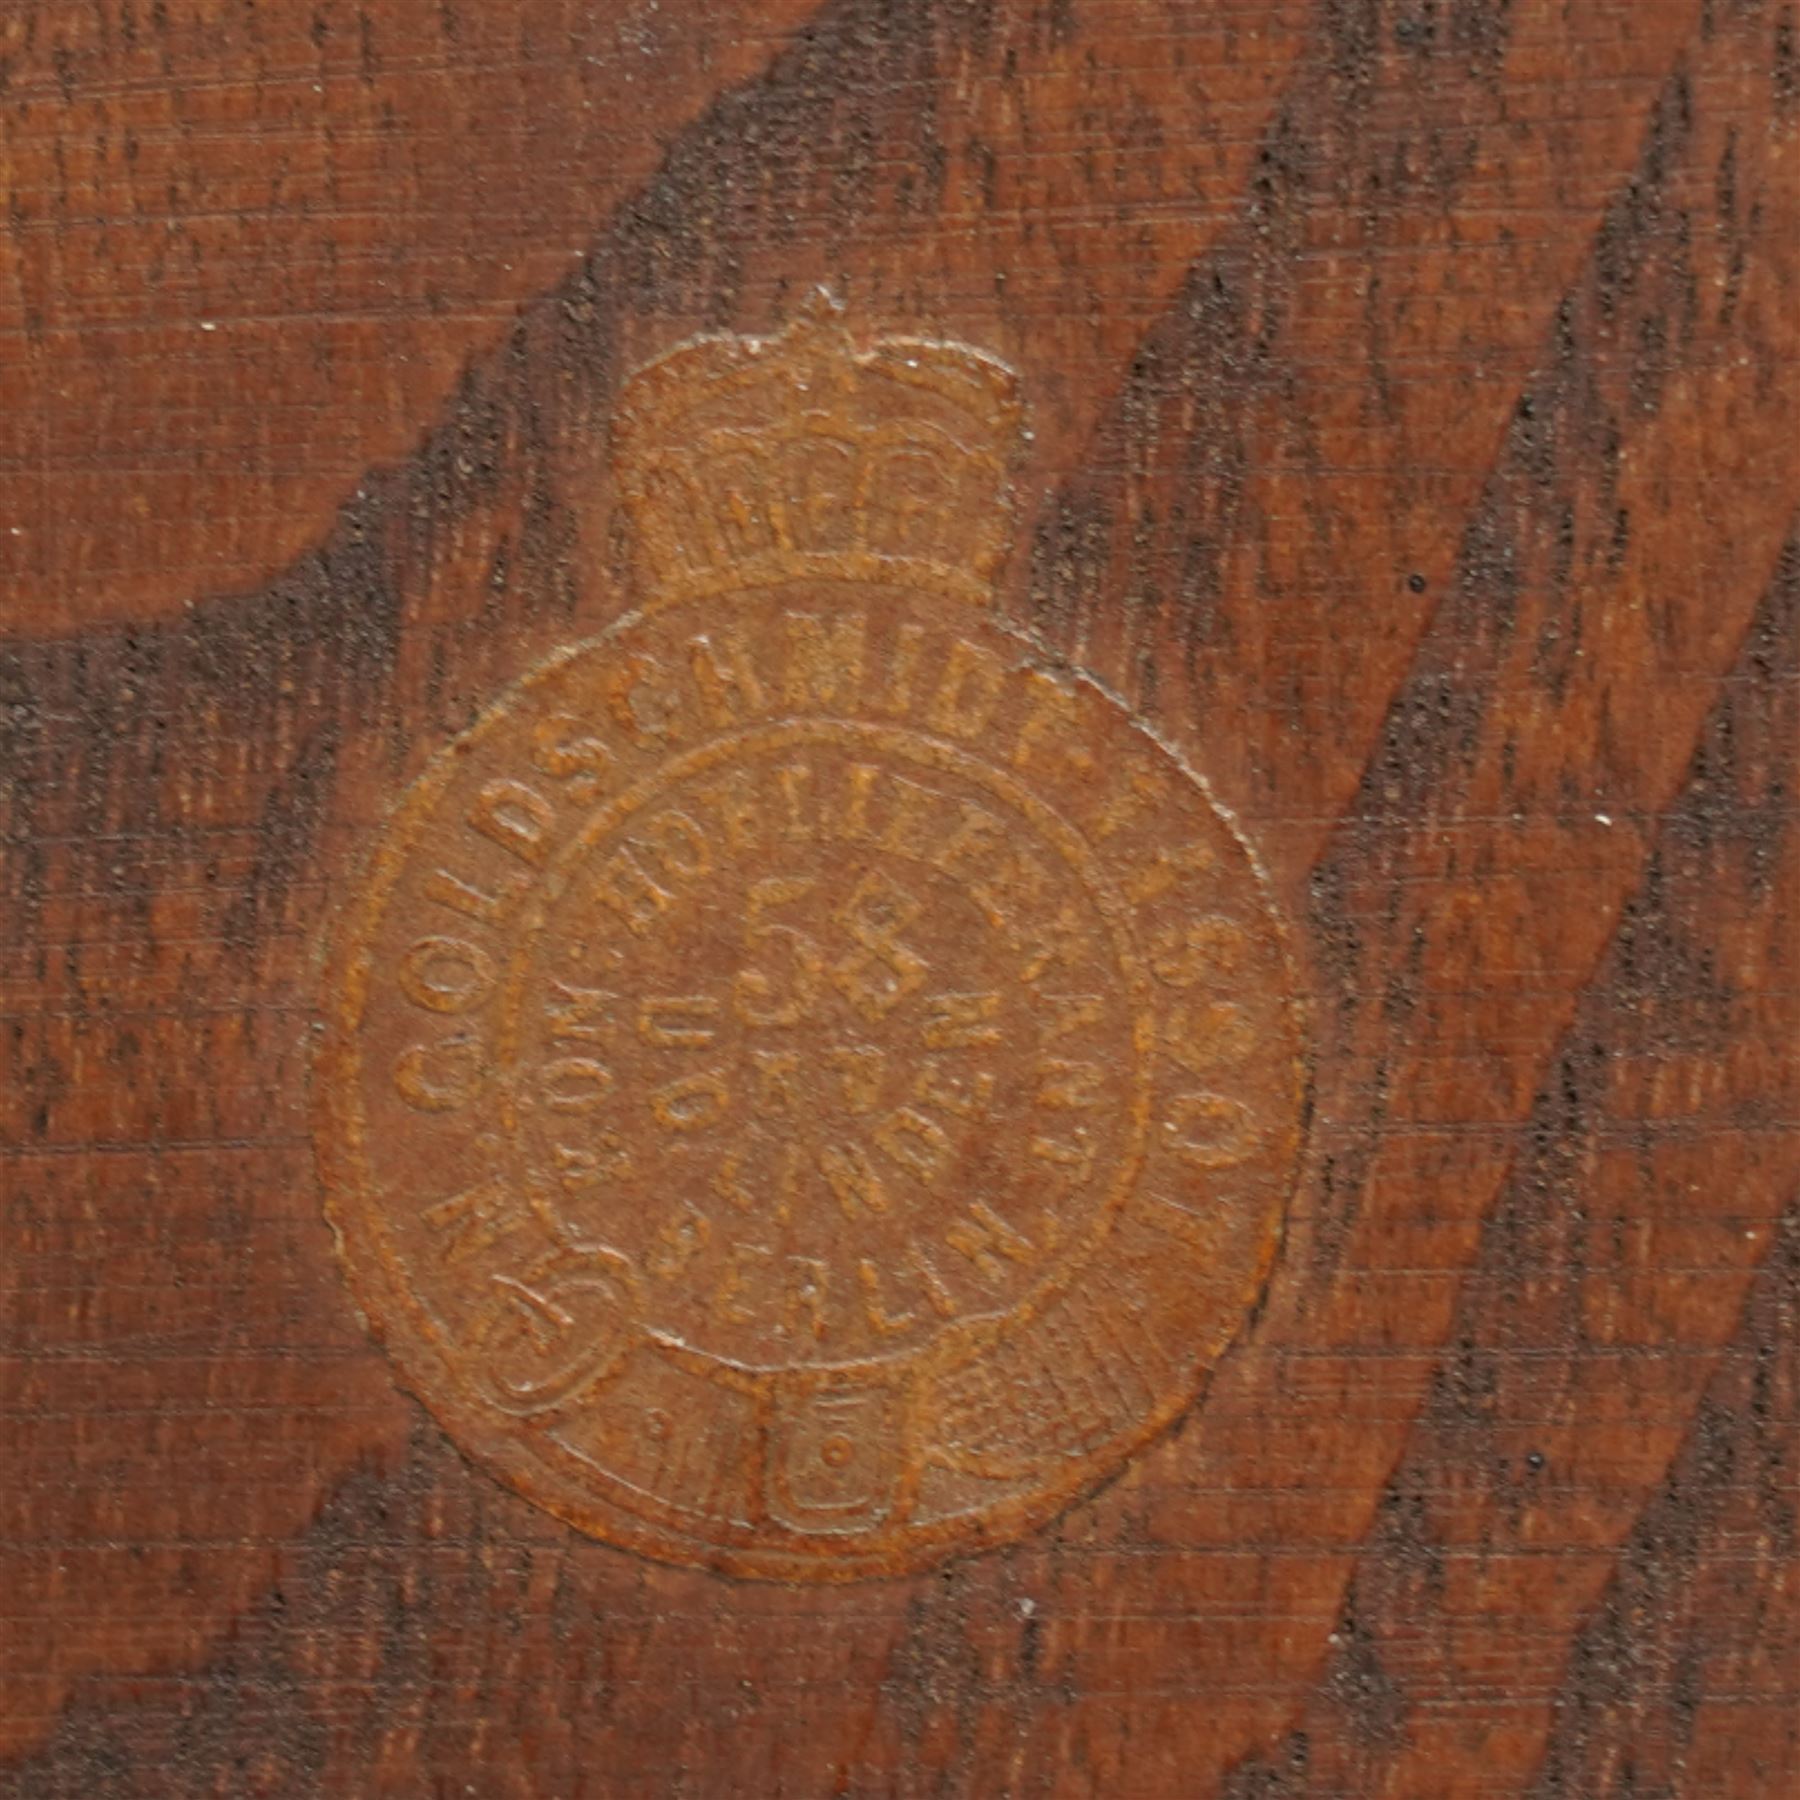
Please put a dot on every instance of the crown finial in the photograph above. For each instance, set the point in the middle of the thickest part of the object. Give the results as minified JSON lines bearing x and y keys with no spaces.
{"x":744,"y":462}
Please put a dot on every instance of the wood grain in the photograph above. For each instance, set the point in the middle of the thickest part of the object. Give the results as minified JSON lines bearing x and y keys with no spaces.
{"x":1413,"y":390}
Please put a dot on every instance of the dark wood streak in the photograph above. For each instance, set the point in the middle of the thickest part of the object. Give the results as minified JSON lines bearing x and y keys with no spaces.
{"x":248,"y":248}
{"x":1639,"y":1184}
{"x":1542,"y":532}
{"x":1249,"y":544}
{"x":1680,"y":1680}
{"x":1643,"y":292}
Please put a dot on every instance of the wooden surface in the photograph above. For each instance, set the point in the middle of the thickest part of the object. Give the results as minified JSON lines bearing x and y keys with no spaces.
{"x":1413,"y":388}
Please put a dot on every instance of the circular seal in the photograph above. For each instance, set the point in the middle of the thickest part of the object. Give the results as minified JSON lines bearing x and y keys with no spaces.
{"x":809,"y":1086}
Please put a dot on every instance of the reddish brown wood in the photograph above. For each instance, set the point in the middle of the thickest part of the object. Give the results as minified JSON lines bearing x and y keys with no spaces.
{"x":1413,"y":390}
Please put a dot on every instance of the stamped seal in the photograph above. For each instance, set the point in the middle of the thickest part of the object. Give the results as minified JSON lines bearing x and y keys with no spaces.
{"x":809,"y":1085}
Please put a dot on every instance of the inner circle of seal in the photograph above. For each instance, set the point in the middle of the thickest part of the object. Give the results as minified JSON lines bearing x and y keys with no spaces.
{"x":967,"y":1335}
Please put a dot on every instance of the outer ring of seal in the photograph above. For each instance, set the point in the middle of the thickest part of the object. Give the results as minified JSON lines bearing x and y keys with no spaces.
{"x":529,"y":1463}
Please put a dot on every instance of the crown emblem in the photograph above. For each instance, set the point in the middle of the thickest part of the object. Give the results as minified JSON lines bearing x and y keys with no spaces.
{"x":745,"y":462}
